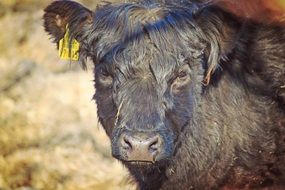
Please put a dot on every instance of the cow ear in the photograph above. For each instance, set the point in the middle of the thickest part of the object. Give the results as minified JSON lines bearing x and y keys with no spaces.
{"x":221,"y":45}
{"x":60,"y":14}
{"x":71,"y":20}
{"x":220,"y":31}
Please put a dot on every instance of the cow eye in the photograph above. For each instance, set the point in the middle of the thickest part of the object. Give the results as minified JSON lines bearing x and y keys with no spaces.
{"x":181,"y":78}
{"x":183,"y":74}
{"x":105,"y":78}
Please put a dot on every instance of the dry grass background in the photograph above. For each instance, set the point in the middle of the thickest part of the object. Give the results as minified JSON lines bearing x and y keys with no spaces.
{"x":50,"y":138}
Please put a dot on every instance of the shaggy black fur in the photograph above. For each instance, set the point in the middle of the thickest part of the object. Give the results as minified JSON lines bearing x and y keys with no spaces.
{"x":210,"y":84}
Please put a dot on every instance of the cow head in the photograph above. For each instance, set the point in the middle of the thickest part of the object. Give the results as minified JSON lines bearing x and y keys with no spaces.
{"x":151,"y":61}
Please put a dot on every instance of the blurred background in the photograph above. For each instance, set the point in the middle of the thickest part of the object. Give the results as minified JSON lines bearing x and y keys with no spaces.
{"x":50,"y":138}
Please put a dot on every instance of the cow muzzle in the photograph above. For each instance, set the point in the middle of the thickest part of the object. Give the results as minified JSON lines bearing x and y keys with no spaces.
{"x":140,"y":147}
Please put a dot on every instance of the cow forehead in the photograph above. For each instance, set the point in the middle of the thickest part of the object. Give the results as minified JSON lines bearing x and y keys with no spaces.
{"x":145,"y":59}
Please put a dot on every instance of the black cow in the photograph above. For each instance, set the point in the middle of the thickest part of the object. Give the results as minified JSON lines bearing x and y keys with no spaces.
{"x":190,"y":96}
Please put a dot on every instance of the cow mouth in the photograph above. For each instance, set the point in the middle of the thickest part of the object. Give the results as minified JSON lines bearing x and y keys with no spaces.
{"x":140,"y":162}
{"x":139,"y":165}
{"x":144,"y":166}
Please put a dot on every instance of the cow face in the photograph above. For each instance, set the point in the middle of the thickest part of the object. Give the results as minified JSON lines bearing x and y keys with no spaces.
{"x":145,"y":96}
{"x":150,"y":63}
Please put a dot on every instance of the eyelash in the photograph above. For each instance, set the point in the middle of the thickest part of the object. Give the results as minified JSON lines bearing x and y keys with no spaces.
{"x":182,"y":75}
{"x":105,"y":78}
{"x":103,"y":72}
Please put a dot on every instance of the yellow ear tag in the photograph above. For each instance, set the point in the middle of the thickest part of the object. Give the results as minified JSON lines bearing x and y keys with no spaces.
{"x":66,"y":51}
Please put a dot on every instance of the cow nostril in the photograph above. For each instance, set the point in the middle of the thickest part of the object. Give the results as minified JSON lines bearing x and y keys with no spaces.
{"x":126,"y":144}
{"x":154,"y":146}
